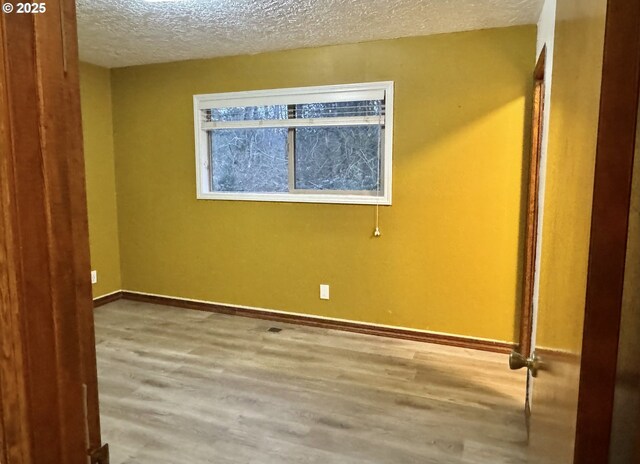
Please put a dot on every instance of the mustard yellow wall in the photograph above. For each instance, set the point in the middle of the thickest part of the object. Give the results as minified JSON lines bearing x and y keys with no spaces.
{"x":575,"y":98}
{"x":95,"y":95}
{"x":449,"y":255}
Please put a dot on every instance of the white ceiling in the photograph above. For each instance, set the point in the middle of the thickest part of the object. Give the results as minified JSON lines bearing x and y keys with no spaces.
{"x":117,"y":33}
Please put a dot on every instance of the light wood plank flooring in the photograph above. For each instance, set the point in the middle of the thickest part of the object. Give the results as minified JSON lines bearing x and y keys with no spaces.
{"x":185,"y":387}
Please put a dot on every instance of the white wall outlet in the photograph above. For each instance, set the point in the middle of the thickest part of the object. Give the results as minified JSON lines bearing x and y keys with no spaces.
{"x":94,"y":277}
{"x":324,"y":292}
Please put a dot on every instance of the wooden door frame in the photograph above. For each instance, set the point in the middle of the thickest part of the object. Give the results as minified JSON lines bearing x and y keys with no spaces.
{"x":609,"y":227}
{"x":531,"y":220}
{"x":48,"y":381}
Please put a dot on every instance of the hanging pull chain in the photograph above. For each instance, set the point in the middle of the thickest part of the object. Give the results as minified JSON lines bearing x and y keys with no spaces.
{"x":376,"y":231}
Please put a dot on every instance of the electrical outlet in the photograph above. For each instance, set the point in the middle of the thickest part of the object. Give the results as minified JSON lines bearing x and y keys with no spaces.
{"x":94,"y":277}
{"x":324,"y":292}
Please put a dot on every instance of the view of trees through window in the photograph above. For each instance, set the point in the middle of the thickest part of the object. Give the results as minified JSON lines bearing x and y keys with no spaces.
{"x":337,"y":158}
{"x":250,"y":160}
{"x":332,"y":158}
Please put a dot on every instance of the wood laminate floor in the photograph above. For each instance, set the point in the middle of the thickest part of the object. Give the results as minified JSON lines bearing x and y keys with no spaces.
{"x":188,"y":387}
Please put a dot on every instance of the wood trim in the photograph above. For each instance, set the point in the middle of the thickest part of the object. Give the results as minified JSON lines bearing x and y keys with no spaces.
{"x":347,"y":326}
{"x":106,"y":299}
{"x":531,"y":228}
{"x":47,"y":376}
{"x":609,"y":229}
{"x":26,"y":222}
{"x":15,"y":439}
{"x":79,"y":229}
{"x":539,"y":71}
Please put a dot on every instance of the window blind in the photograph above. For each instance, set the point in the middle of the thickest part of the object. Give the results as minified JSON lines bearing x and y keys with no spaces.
{"x":346,"y":108}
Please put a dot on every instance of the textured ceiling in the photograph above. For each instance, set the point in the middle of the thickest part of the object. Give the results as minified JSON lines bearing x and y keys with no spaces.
{"x":117,"y":33}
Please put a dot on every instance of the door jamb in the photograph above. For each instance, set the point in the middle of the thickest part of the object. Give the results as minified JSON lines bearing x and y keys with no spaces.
{"x":531,"y":220}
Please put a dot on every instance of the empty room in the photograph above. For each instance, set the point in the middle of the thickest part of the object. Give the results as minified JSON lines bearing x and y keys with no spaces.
{"x":333,"y":231}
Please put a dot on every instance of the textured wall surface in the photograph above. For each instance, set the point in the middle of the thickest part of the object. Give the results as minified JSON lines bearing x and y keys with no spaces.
{"x":449,"y":256}
{"x":97,"y":126}
{"x":117,"y":33}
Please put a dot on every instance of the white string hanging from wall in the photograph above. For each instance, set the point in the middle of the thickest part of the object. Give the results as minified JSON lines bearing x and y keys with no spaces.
{"x":376,"y":231}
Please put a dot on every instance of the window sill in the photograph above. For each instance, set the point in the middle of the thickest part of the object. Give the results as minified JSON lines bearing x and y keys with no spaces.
{"x":298,"y":198}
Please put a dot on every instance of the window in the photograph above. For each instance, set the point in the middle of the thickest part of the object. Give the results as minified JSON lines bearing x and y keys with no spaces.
{"x":329,"y":144}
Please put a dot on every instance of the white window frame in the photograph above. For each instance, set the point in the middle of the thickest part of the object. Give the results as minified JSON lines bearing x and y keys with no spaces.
{"x":328,"y":93}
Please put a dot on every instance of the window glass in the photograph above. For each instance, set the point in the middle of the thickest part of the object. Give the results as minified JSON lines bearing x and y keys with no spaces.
{"x":337,"y":158}
{"x":249,"y":160}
